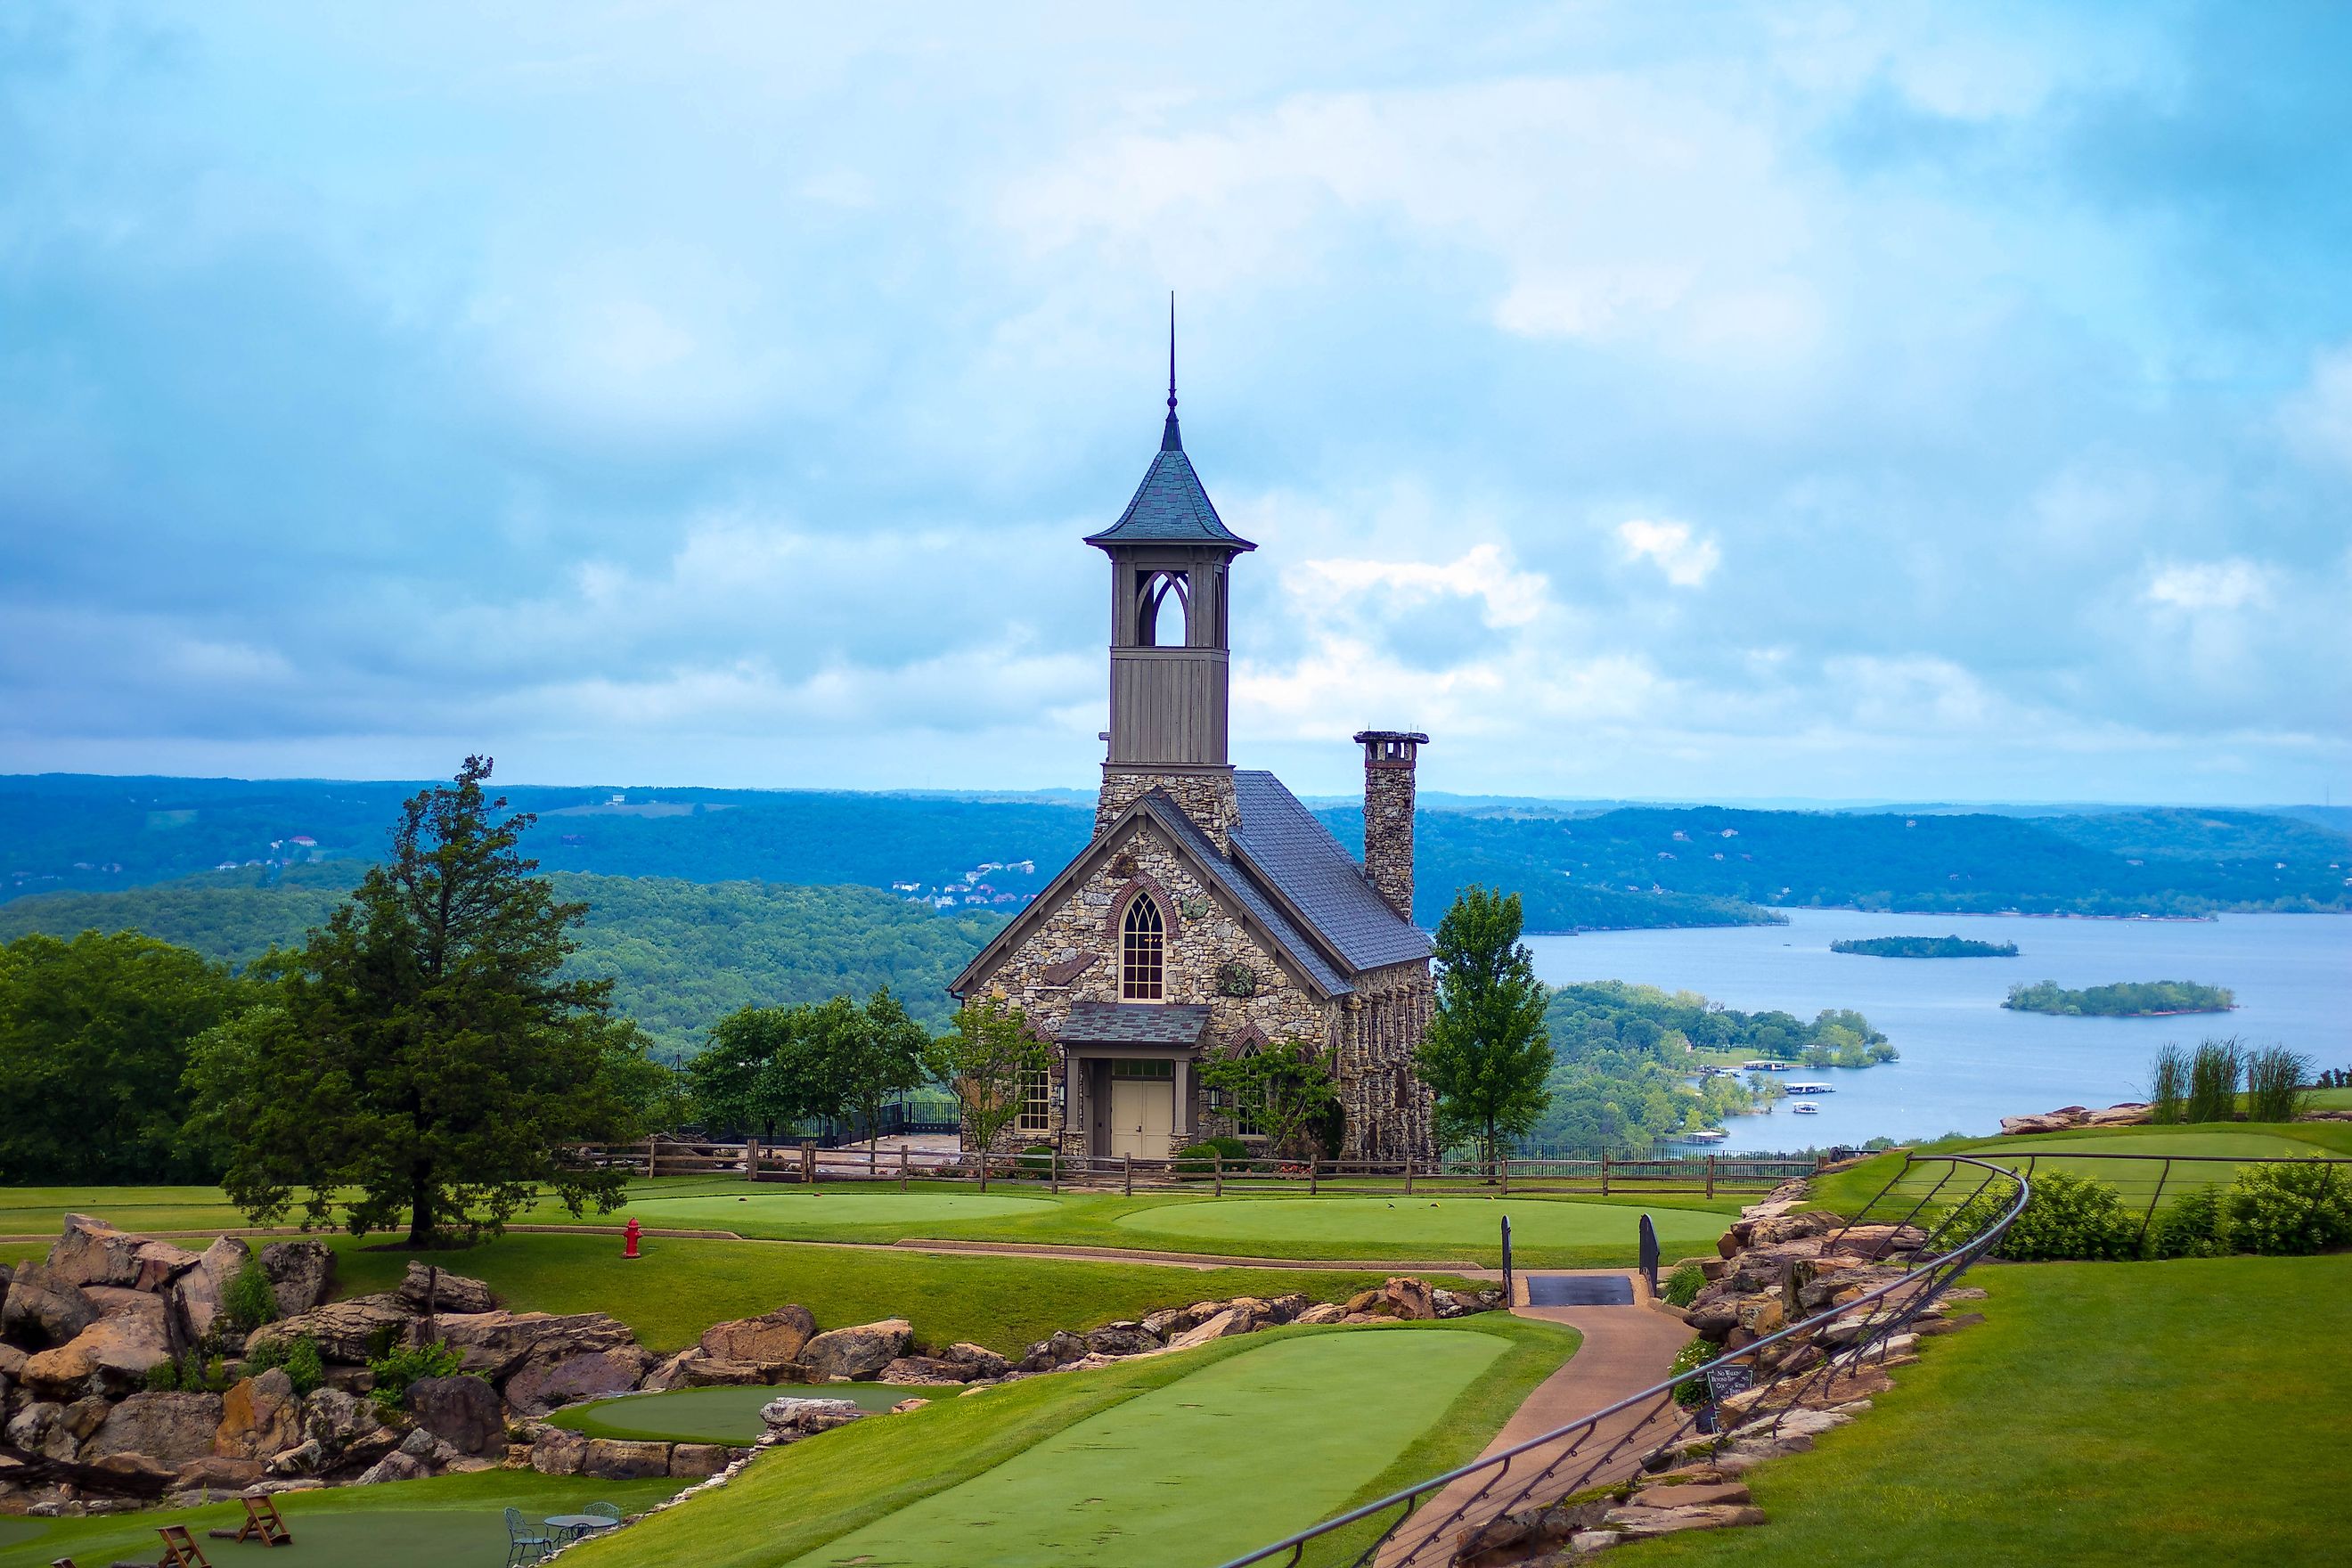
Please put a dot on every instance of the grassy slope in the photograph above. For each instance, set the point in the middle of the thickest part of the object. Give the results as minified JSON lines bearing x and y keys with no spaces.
{"x":681,"y":1287}
{"x":2142,"y":1415}
{"x":797,"y":1499}
{"x":450,"y":1519}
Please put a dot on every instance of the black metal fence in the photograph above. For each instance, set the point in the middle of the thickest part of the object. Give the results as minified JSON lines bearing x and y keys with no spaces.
{"x":1419,"y":1527}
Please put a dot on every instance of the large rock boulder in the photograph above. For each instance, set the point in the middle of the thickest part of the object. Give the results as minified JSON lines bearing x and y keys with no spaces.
{"x":111,"y":1356}
{"x":496,"y":1344}
{"x":982,"y":1361}
{"x":198,"y":1296}
{"x":1122,"y":1339}
{"x":463,"y":1412}
{"x":343,"y":1330}
{"x":430,"y":1287}
{"x":216,"y":1474}
{"x":583,"y":1357}
{"x":92,"y":1252}
{"x":45,"y":1308}
{"x":302,"y":1273}
{"x":260,"y":1418}
{"x":611,"y":1459}
{"x":773,"y":1336}
{"x":798,"y":1417}
{"x":859,"y":1351}
{"x":1057,"y":1349}
{"x":1400,"y":1297}
{"x":1215,"y":1326}
{"x":556,"y":1452}
{"x":172,"y":1429}
{"x":925,"y":1369}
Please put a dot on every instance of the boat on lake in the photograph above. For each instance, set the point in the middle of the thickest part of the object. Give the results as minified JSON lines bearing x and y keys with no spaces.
{"x":1706,"y":1135}
{"x":1809,"y":1088}
{"x":1760,"y":1066}
{"x":1804,"y":1110}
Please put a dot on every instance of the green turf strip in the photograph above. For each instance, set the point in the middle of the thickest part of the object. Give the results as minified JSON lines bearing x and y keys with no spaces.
{"x":452,"y":1520}
{"x":1334,"y":1225}
{"x":723,"y":1415}
{"x":1848,"y":1191}
{"x":2179,"y":1415}
{"x":1235,"y":1455}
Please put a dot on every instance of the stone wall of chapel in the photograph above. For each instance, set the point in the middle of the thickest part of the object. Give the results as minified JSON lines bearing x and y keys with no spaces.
{"x":1207,"y":798}
{"x":1207,"y":936}
{"x":1390,"y":1111}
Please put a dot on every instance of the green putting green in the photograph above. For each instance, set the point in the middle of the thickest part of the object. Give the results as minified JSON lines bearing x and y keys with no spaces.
{"x":1240,"y":1453}
{"x":721,"y":1414}
{"x":1339,"y":1223}
{"x":821,"y":1209}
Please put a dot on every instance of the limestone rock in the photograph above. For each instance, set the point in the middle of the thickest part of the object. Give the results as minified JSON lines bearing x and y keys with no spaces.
{"x":1643,"y":1523}
{"x":92,"y":1252}
{"x":463,"y":1412}
{"x":979,"y":1360}
{"x":556,"y":1452}
{"x":172,"y":1429}
{"x":859,"y":1351}
{"x":44,"y":1309}
{"x":301,"y":1273}
{"x":343,"y":1328}
{"x":142,"y":1470}
{"x":111,"y":1356}
{"x":798,"y":1415}
{"x":905,"y":1405}
{"x":2132,"y":1113}
{"x":198,"y":1296}
{"x":704,"y":1372}
{"x":561,"y":1370}
{"x":216,"y":1474}
{"x":422,"y":1443}
{"x":1122,"y":1339}
{"x":1881,"y":1240}
{"x":1703,"y":1494}
{"x":29,"y":1428}
{"x":611,"y":1459}
{"x":779,"y":1335}
{"x":1232,"y":1320}
{"x":338,"y":1419}
{"x":260,"y":1418}
{"x":395,"y":1465}
{"x":497,"y":1344}
{"x":674,"y":1372}
{"x":1058,"y":1349}
{"x":925,"y":1369}
{"x":1400,"y":1297}
{"x":694,"y":1460}
{"x":1322,"y":1312}
{"x":427,"y":1285}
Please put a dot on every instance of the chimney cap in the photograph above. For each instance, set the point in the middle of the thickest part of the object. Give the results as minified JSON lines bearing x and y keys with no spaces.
{"x":1372,"y":736}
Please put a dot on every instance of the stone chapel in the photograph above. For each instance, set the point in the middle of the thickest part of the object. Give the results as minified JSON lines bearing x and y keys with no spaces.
{"x":1212,"y":913}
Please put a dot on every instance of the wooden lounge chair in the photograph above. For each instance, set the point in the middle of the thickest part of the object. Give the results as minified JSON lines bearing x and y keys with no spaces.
{"x":180,"y":1548}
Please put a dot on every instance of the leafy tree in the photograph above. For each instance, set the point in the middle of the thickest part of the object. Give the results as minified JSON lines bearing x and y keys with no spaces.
{"x":1285,"y":1089}
{"x":755,"y":1073}
{"x":981,"y":1060}
{"x":424,"y":1052}
{"x":874,"y":1052}
{"x":1488,"y":1055}
{"x":94,"y":1039}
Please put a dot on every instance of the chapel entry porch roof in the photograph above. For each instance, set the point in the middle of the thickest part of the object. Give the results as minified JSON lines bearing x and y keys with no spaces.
{"x":1176,"y":1026}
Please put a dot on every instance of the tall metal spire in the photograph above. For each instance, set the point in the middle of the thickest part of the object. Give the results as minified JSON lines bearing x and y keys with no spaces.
{"x":1170,"y":440}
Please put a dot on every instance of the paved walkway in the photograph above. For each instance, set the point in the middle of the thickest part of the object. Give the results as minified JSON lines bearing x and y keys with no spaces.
{"x":1625,"y":1349}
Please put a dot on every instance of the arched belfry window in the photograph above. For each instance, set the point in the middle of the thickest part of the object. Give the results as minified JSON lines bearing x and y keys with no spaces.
{"x":1157,"y":590}
{"x":1142,"y":944}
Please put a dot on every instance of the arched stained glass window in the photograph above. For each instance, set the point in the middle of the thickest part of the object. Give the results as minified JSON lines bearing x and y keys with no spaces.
{"x":1142,"y":952}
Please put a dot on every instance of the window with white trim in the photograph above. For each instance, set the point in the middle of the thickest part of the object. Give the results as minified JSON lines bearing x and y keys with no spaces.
{"x":1142,"y":949}
{"x":1036,"y":1102}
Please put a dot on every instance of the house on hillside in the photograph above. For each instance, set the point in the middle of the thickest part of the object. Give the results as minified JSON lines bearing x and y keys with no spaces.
{"x":1212,"y":913}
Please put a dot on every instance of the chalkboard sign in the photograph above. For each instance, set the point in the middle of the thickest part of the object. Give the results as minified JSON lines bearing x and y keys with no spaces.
{"x":1723,"y":1381}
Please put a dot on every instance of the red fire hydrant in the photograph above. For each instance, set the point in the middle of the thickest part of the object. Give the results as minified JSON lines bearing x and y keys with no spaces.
{"x":630,"y":1236}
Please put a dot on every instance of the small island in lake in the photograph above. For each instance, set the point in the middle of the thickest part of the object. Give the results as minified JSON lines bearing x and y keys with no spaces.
{"x":1925,"y":947}
{"x":2142,"y":999}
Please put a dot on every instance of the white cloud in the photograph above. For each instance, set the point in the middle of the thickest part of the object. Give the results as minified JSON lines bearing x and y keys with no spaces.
{"x":2318,"y":419}
{"x":1510,"y":597}
{"x":1686,"y":559}
{"x":2232,"y":584}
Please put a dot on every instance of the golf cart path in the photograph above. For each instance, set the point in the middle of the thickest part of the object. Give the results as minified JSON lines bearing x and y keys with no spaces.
{"x":1625,"y":1351}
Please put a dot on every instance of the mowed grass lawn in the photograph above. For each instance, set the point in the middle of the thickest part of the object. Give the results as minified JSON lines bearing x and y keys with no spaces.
{"x":2142,"y":1414}
{"x":2210,"y":1143}
{"x":1453,"y":1226}
{"x":458,"y":1520}
{"x":1179,"y":1460}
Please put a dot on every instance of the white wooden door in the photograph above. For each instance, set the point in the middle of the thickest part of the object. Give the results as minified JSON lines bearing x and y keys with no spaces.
{"x":1142,"y":1117}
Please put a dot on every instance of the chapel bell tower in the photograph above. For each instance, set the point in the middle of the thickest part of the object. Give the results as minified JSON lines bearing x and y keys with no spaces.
{"x":1170,"y":641}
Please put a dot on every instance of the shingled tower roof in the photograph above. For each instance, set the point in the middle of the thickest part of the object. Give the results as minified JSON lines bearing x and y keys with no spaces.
{"x":1170,"y":506}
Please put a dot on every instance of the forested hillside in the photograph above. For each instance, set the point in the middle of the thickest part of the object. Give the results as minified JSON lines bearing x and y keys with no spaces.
{"x":684,"y":954}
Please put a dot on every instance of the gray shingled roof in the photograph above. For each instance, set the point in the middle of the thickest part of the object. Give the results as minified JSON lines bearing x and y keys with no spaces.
{"x":1170,"y":506}
{"x":1134,"y":1024}
{"x":1236,"y":879}
{"x":1283,"y":839}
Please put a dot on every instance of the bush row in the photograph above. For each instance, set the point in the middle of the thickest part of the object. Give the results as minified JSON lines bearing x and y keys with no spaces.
{"x":2283,"y":1206}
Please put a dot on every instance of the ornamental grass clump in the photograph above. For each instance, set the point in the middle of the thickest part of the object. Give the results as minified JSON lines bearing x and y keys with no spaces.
{"x":2168,"y":1085}
{"x":2213,"y":1080}
{"x":1682,"y":1286}
{"x":2274,"y":1081}
{"x":2291,"y":1207}
{"x":2068,"y":1217}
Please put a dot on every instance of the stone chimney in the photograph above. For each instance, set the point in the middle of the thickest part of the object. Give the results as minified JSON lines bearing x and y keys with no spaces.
{"x":1388,"y":813}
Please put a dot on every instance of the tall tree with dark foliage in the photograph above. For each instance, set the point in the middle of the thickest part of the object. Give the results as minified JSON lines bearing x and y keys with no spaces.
{"x":1488,"y":1054}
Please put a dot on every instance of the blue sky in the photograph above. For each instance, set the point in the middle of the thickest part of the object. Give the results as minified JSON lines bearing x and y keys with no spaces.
{"x":1874,"y":400}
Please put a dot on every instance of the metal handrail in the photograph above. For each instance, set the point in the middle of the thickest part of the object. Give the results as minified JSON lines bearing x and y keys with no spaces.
{"x":1550,"y":1481}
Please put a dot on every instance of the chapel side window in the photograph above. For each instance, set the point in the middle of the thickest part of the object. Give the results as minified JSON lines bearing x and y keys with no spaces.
{"x":1037,"y":1102}
{"x":1249,"y":1109}
{"x":1140,"y":952}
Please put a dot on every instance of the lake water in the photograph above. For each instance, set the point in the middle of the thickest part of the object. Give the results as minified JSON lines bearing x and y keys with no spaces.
{"x":1967,"y":1060}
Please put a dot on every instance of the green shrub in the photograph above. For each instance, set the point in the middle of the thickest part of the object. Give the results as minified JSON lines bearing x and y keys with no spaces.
{"x":164,"y":1377}
{"x":1195,"y":1160}
{"x":2070,"y":1217}
{"x":2168,"y":1085}
{"x":250,"y":1301}
{"x":1682,"y":1286}
{"x":2275,"y":1079}
{"x":1034,"y":1162}
{"x":1697,"y":1353}
{"x":304,"y":1367}
{"x":2195,"y":1225}
{"x":383,"y":1340}
{"x":2213,"y":1080}
{"x":1954,"y":1227}
{"x":404,"y":1364}
{"x":2291,"y":1207}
